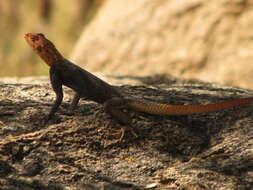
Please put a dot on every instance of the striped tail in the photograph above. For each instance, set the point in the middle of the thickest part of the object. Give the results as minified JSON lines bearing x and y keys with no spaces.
{"x":168,"y":109}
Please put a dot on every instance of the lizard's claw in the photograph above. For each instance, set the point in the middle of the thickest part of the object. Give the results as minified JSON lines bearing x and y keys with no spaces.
{"x":133,"y":132}
{"x":122,"y":132}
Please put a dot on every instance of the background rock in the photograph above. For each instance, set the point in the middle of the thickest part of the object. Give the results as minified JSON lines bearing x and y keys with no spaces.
{"x":207,"y":40}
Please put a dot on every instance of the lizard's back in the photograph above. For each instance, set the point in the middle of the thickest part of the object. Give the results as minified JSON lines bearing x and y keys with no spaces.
{"x":83,"y":82}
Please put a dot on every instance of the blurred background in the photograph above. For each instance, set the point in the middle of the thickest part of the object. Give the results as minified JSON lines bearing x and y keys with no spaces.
{"x":207,"y":40}
{"x":61,"y":20}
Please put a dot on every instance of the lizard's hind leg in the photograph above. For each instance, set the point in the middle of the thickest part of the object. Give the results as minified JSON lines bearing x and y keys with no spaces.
{"x":113,"y":107}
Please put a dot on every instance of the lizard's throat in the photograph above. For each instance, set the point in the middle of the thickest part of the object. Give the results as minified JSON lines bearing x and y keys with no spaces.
{"x":50,"y":55}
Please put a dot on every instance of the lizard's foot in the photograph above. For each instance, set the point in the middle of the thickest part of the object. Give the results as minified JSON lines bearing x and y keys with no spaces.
{"x":46,"y":120}
{"x":50,"y":119}
{"x":122,"y":133}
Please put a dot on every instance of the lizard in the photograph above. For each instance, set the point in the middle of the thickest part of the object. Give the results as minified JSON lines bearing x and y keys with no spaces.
{"x":86,"y":85}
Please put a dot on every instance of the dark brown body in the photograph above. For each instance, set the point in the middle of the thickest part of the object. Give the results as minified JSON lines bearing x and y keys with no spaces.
{"x":87,"y":85}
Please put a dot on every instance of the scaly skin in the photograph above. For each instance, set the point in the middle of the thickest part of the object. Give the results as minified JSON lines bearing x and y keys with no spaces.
{"x":167,"y":109}
{"x":85,"y":84}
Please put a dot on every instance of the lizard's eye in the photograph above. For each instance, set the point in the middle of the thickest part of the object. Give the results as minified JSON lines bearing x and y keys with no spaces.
{"x":41,"y":35}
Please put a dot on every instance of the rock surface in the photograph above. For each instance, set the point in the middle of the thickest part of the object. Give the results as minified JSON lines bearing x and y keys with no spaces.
{"x":207,"y":40}
{"x":79,"y":151}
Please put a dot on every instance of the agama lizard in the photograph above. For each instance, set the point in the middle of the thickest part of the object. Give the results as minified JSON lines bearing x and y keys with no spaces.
{"x":87,"y":85}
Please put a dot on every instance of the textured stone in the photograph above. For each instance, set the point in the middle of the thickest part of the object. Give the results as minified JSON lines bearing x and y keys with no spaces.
{"x":207,"y":40}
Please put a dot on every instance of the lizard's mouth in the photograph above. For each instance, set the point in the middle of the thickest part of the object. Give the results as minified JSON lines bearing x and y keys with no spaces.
{"x":28,"y":37}
{"x":32,"y":40}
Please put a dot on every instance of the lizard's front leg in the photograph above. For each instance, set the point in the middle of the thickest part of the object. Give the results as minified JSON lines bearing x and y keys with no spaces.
{"x":57,"y":87}
{"x":57,"y":103}
{"x":113,"y":107}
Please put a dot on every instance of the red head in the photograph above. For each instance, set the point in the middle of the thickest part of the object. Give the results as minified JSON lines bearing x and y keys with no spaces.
{"x":43,"y":47}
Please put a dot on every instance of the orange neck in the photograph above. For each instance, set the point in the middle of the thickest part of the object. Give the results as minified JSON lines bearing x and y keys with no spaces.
{"x":49,"y":54}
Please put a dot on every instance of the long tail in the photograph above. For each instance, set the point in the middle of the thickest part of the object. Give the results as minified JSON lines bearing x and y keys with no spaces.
{"x":168,"y":109}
